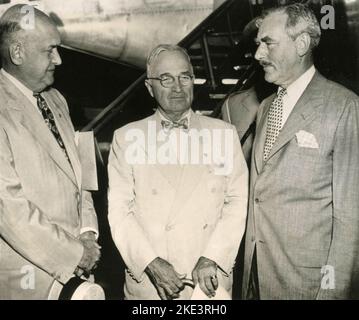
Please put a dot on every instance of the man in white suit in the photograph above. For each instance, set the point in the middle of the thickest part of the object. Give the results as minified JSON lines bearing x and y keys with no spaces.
{"x":48,"y":226}
{"x":173,"y":218}
{"x":302,"y":238}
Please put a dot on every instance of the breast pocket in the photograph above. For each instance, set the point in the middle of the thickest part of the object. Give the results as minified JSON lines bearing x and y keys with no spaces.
{"x":300,"y":165}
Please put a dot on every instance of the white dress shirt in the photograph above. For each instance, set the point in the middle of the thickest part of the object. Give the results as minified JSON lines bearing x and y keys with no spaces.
{"x":184,"y":116}
{"x":178,"y":152}
{"x":295,"y":91}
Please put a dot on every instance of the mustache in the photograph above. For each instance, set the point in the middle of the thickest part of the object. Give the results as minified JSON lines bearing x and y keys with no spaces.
{"x":265,"y":63}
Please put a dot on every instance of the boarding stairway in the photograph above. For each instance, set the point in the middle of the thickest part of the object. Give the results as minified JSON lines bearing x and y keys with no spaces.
{"x":221,"y":49}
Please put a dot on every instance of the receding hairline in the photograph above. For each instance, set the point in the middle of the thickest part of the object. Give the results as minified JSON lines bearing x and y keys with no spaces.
{"x":158,"y":50}
{"x":299,"y":18}
{"x":12,"y":31}
{"x":15,"y":15}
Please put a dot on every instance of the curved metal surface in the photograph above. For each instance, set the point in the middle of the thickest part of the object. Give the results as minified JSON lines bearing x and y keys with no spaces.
{"x":352,"y":13}
{"x":124,"y":30}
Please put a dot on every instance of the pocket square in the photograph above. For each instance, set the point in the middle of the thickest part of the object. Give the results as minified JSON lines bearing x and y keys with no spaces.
{"x":306,"y":140}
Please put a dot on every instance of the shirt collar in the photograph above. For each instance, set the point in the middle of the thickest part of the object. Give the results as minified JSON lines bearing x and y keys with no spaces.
{"x":26,"y":91}
{"x":296,"y":89}
{"x":187,"y":116}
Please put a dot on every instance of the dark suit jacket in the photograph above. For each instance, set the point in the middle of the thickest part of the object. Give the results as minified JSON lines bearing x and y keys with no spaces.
{"x":304,"y":201}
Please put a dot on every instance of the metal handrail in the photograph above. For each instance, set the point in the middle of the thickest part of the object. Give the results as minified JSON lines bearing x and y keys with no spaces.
{"x":95,"y":124}
{"x":117,"y":105}
{"x":241,"y":84}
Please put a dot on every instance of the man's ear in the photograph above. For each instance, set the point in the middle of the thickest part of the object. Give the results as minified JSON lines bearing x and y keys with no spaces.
{"x":149,"y":87}
{"x":16,"y":53}
{"x":302,"y":43}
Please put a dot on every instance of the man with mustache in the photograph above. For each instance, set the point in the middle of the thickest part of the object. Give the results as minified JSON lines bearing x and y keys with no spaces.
{"x":302,"y":235}
{"x":48,"y":225}
{"x":173,"y":216}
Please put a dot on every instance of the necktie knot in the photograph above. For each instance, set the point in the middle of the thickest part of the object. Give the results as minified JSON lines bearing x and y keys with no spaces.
{"x":281,"y":93}
{"x":181,"y":124}
{"x":37,"y":95}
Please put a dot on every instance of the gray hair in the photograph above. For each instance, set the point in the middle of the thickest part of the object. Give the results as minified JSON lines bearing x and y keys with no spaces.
{"x":161,"y":48}
{"x":10,"y":26}
{"x":300,"y":19}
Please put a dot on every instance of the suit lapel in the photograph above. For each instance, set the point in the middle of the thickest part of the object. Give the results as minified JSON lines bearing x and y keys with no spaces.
{"x":261,"y":135}
{"x":67,"y":136}
{"x":32,"y":121}
{"x":303,"y":112}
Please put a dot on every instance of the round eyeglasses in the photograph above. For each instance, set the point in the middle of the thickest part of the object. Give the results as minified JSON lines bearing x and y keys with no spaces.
{"x":167,"y":81}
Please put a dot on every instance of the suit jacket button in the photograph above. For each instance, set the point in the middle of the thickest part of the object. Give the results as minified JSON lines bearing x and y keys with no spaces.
{"x":169,"y":228}
{"x":253,"y":239}
{"x":256,"y":200}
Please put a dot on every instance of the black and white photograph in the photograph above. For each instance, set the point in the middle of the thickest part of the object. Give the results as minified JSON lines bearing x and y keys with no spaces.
{"x":198,"y":151}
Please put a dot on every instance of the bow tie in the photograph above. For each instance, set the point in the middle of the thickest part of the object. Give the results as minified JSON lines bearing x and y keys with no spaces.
{"x":168,"y":125}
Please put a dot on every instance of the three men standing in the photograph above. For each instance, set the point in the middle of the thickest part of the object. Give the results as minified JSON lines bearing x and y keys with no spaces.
{"x":178,"y":181}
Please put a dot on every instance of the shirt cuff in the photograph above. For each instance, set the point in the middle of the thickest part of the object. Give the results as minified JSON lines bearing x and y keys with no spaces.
{"x":86,"y":229}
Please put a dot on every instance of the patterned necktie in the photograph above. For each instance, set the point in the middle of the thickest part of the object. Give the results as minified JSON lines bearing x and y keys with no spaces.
{"x":274,"y":125}
{"x":50,"y":122}
{"x":168,"y":125}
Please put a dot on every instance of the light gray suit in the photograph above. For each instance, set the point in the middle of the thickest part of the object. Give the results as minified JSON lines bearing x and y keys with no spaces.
{"x":42,"y":204}
{"x":304,"y":201}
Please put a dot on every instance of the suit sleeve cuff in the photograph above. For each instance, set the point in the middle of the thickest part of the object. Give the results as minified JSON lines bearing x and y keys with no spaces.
{"x":86,"y":229}
{"x":221,"y":265}
{"x":139,"y":272}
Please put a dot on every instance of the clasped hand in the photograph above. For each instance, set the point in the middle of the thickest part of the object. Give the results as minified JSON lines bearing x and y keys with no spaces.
{"x":169,"y":283}
{"x":205,"y":273}
{"x":91,"y":254}
{"x":166,"y":280}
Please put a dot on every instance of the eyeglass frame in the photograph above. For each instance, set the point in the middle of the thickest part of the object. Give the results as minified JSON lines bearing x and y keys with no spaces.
{"x":191,"y":76}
